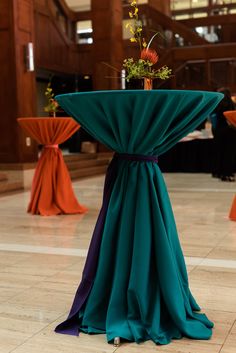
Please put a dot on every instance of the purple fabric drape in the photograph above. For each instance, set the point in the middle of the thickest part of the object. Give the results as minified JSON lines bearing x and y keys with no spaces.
{"x":71,"y":324}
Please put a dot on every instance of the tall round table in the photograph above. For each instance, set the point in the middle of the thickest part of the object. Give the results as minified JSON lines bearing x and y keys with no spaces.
{"x":231,"y":117}
{"x":51,"y":192}
{"x":135,"y":284}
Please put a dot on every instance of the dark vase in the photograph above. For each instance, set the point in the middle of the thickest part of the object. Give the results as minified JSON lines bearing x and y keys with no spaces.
{"x":135,"y":83}
{"x":142,"y":83}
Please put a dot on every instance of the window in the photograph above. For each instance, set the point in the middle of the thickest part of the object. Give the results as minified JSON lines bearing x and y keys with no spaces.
{"x":182,"y":17}
{"x":187,"y":4}
{"x":79,"y":5}
{"x":199,"y":3}
{"x":209,"y":33}
{"x":199,"y":14}
{"x":180,"y":4}
{"x":84,"y":32}
{"x":223,"y":2}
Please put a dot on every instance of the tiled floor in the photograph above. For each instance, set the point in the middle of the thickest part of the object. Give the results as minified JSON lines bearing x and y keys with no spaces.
{"x":42,"y":259}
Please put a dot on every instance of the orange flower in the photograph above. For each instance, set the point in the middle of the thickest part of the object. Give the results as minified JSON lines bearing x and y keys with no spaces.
{"x":149,"y":55}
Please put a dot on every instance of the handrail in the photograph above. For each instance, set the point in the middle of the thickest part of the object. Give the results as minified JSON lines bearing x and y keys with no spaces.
{"x":208,"y":9}
{"x":209,"y":21}
{"x":168,"y":23}
{"x":210,"y":51}
{"x":175,"y":26}
{"x":181,"y":27}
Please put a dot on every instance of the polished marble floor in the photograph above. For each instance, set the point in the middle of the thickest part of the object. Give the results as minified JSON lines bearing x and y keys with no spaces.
{"x":42,"y":259}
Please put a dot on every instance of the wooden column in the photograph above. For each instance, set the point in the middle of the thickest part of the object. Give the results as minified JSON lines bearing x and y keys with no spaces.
{"x":17,"y":96}
{"x":162,"y":6}
{"x":107,"y":18}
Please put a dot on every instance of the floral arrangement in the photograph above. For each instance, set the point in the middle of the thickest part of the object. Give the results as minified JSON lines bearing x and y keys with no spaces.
{"x":143,"y":67}
{"x":52,"y":105}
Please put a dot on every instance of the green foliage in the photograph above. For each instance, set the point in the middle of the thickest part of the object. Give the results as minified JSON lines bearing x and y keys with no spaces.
{"x":52,"y":105}
{"x":143,"y":68}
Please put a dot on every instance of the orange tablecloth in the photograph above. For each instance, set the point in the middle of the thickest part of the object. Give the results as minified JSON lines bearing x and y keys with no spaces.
{"x":232,"y":213}
{"x":52,"y":191}
{"x":231,"y":117}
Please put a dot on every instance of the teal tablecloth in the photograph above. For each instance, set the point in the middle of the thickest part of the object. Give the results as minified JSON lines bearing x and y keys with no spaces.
{"x":140,"y":288}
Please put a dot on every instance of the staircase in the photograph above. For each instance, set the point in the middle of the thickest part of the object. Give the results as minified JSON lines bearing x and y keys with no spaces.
{"x":80,"y":165}
{"x":9,"y":186}
{"x":87,"y":164}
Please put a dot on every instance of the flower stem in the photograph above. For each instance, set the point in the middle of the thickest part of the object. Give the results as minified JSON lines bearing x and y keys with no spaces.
{"x":150,"y":41}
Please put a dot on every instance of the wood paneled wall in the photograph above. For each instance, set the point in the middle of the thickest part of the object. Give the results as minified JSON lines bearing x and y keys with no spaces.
{"x":7,"y":80}
{"x":18,"y":86}
{"x":24,"y":21}
{"x":160,"y":5}
{"x":21,"y":22}
{"x":108,"y":42}
{"x":54,"y":50}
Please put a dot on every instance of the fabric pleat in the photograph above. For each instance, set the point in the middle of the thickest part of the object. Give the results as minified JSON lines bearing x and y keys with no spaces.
{"x":140,"y":290}
{"x":231,"y":117}
{"x":51,"y":191}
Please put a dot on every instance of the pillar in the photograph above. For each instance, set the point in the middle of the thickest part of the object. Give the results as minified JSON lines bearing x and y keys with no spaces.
{"x":107,"y":18}
{"x":17,"y":98}
{"x":162,"y":6}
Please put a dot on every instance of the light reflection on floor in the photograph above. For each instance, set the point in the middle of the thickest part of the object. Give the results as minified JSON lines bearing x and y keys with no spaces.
{"x":42,"y":259}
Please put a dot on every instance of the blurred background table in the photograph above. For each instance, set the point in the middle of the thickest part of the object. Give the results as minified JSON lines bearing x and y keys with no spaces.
{"x":190,"y":155}
{"x":231,"y":117}
{"x":51,"y":192}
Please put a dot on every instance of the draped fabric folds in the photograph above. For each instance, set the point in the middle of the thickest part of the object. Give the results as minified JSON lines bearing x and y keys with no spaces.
{"x":232,"y":213}
{"x":135,"y":283}
{"x":231,"y":117}
{"x":51,"y":192}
